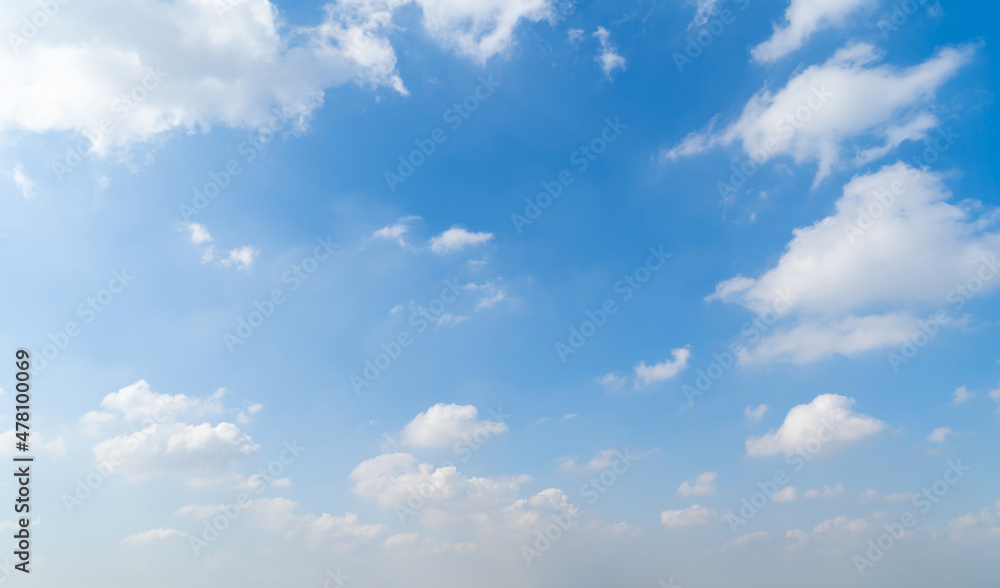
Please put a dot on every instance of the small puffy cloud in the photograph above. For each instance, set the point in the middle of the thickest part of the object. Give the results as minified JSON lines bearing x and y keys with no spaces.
{"x":242,"y":258}
{"x":828,"y":420}
{"x":199,"y":233}
{"x":574,"y":36}
{"x":613,"y":381}
{"x":457,"y":238}
{"x":392,"y":233}
{"x":826,"y":492}
{"x":939,"y":435}
{"x":23,"y":181}
{"x":824,"y":108}
{"x":840,"y":524}
{"x":688,"y":517}
{"x":847,"y":290}
{"x":603,"y":460}
{"x":444,"y":425}
{"x":802,"y":19}
{"x":703,"y":485}
{"x":154,"y":535}
{"x":786,"y":494}
{"x":984,"y":524}
{"x":342,"y":533}
{"x":646,"y":375}
{"x":139,"y":403}
{"x":962,"y":395}
{"x":609,"y":58}
{"x":756,"y":414}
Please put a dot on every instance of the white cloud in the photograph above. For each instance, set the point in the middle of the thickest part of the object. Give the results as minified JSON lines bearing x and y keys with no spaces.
{"x":825,"y":107}
{"x":395,"y":232}
{"x":841,"y":524}
{"x":906,"y":261}
{"x":756,"y":414}
{"x":158,"y":444}
{"x":828,"y":420}
{"x":342,"y":533}
{"x":803,"y":18}
{"x":444,"y":425}
{"x":609,"y":58}
{"x":688,"y":517}
{"x":241,"y":258}
{"x":391,"y":478}
{"x":200,"y":455}
{"x":199,"y":233}
{"x":574,"y":36}
{"x":154,"y":535}
{"x":613,"y":381}
{"x":983,"y":524}
{"x":962,"y":395}
{"x":457,"y":238}
{"x":23,"y":181}
{"x":826,"y":492}
{"x":703,"y":485}
{"x":206,"y":68}
{"x":602,"y":460}
{"x":786,"y":494}
{"x":743,"y":540}
{"x":646,"y":375}
{"x":939,"y":435}
{"x":705,"y":10}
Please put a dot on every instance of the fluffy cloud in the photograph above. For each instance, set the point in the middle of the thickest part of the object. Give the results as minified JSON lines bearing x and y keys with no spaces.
{"x":858,"y":279}
{"x":198,"y":454}
{"x":609,"y":58}
{"x":392,"y":479}
{"x":939,"y":435}
{"x":457,"y":238}
{"x":160,"y":444}
{"x":984,"y":524}
{"x":803,"y":18}
{"x":660,"y":372}
{"x":234,"y":63}
{"x":703,"y":485}
{"x":444,"y":425}
{"x":828,"y":420}
{"x":756,"y":414}
{"x":824,"y":107}
{"x":705,"y":10}
{"x":241,"y":258}
{"x":688,"y":517}
{"x":160,"y":534}
{"x":199,"y":233}
{"x":962,"y":395}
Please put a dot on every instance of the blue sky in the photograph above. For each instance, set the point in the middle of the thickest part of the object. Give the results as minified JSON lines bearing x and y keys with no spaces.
{"x":866,"y":208}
